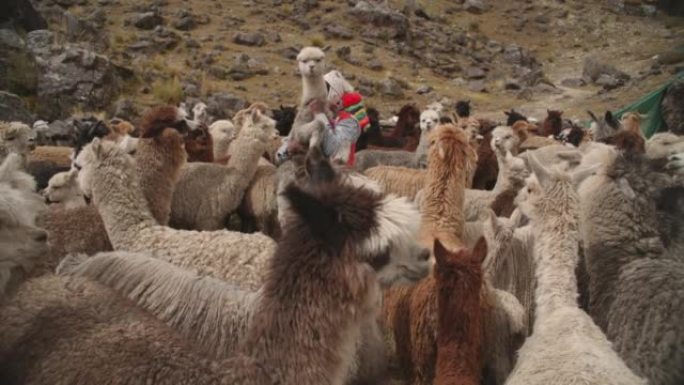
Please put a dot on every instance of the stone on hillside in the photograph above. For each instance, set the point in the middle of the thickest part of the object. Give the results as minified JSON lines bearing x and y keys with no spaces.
{"x":380,"y":17}
{"x":337,"y":31}
{"x":249,"y":39}
{"x":124,"y":109}
{"x":223,"y":105}
{"x":422,"y":90}
{"x":593,"y":69}
{"x":475,"y":6}
{"x":391,"y":88}
{"x":146,"y":20}
{"x":475,"y":73}
{"x":477,"y":86}
{"x":13,"y":108}
{"x":573,"y":82}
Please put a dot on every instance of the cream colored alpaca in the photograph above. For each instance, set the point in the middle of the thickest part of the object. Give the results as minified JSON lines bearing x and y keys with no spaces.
{"x":566,"y":346}
{"x":206,"y":194}
{"x":108,"y":176}
{"x":259,"y":207}
{"x":15,"y":137}
{"x":222,"y":134}
{"x":63,"y":188}
{"x":664,"y":144}
{"x":311,"y":62}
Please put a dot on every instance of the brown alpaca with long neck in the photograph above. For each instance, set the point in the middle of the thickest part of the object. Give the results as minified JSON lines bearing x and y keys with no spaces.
{"x":553,"y":124}
{"x":159,"y":157}
{"x":458,"y":278}
{"x":449,"y":159}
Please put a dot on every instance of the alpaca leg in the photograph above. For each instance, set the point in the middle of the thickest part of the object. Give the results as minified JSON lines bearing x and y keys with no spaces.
{"x":371,"y":357}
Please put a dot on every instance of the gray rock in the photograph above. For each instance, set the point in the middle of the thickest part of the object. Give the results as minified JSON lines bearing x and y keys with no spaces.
{"x":223,"y":105}
{"x":573,"y":82}
{"x":673,"y":56}
{"x":146,"y":20}
{"x":337,"y":31}
{"x":375,"y":65}
{"x":609,"y":82}
{"x":22,"y":14}
{"x":395,"y":23}
{"x":249,"y":39}
{"x":477,"y":86}
{"x":13,"y":108}
{"x":9,"y":38}
{"x":422,"y":90}
{"x":245,"y":67}
{"x":221,"y":73}
{"x":57,"y":133}
{"x":124,"y":109}
{"x":475,"y":73}
{"x":185,"y":23}
{"x":391,"y":88}
{"x":593,"y":69}
{"x":475,"y":6}
{"x":18,"y":69}
{"x":39,"y":42}
{"x":290,"y":52}
{"x":512,"y":84}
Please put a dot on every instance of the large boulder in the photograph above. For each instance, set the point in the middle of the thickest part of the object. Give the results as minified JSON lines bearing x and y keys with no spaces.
{"x":672,"y":107}
{"x":594,"y":70}
{"x":22,"y":14}
{"x":72,"y":77}
{"x":223,"y":105}
{"x":380,"y":18}
{"x":13,"y":108}
{"x":18,"y":69}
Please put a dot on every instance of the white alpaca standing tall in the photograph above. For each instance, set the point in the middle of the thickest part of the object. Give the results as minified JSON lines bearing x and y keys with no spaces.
{"x":566,"y":346}
{"x":311,"y":67}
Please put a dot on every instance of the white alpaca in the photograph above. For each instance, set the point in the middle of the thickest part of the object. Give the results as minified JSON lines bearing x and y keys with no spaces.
{"x":108,"y":175}
{"x":223,"y":133}
{"x":311,"y":67}
{"x":16,"y":137}
{"x":664,"y":144}
{"x":566,"y":346}
{"x":206,"y":194}
{"x":63,"y":188}
{"x":200,"y":113}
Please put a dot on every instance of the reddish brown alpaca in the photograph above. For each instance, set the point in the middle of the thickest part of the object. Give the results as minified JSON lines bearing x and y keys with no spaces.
{"x":199,"y":145}
{"x":458,"y":278}
{"x":553,"y":124}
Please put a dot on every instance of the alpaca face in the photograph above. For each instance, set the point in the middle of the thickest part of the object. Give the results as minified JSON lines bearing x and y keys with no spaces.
{"x":17,"y":137}
{"x":222,"y":130}
{"x":429,"y":119}
{"x":504,"y":139}
{"x":62,"y":187}
{"x":262,"y":126}
{"x":675,"y":163}
{"x":310,"y":61}
{"x":448,"y":143}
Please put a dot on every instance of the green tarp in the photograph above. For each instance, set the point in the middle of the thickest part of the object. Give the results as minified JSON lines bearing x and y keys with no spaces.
{"x":649,"y":105}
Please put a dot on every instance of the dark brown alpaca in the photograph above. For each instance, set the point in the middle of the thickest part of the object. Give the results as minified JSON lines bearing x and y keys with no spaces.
{"x":155,"y":120}
{"x":405,"y":135}
{"x":487,"y":165}
{"x":553,"y":124}
{"x":628,"y":141}
{"x":199,"y":145}
{"x":458,"y":278}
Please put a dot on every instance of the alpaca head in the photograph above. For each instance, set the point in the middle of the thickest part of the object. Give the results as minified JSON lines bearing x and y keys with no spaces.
{"x":602,"y":128}
{"x":632,"y":121}
{"x":664,"y":144}
{"x":343,"y":216}
{"x":629,"y":141}
{"x":88,"y":129}
{"x":409,"y":120}
{"x":514,"y":116}
{"x":258,"y":125}
{"x":199,"y":145}
{"x":472,"y":127}
{"x":97,"y":155}
{"x":675,"y":163}
{"x":200,"y":113}
{"x":463,"y":108}
{"x":156,"y":119}
{"x":17,"y":137}
{"x":121,"y":127}
{"x":554,"y":116}
{"x":222,"y":131}
{"x":437,"y":107}
{"x":311,"y":62}
{"x":452,"y":267}
{"x":429,"y":119}
{"x":284,"y":118}
{"x":448,"y":146}
{"x":505,"y":139}
{"x":63,"y":187}
{"x":129,"y":144}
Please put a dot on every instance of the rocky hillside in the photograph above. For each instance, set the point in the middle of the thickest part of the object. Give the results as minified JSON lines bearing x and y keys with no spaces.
{"x":118,"y":56}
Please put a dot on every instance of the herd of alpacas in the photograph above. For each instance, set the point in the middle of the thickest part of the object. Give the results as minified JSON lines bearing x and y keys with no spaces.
{"x":457,"y":250}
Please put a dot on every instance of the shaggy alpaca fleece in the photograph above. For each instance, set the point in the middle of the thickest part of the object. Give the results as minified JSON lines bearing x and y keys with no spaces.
{"x":512,"y":174}
{"x":22,"y":245}
{"x":401,"y":181}
{"x":222,"y":133}
{"x":158,"y":162}
{"x":45,"y":161}
{"x":636,"y":301}
{"x":459,"y":325}
{"x":279,"y":345}
{"x":206,"y":194}
{"x":566,"y":346}
{"x":63,"y":188}
{"x":442,"y":207}
{"x":664,"y":144}
{"x":107,"y":176}
{"x":311,"y":64}
{"x":259,"y":207}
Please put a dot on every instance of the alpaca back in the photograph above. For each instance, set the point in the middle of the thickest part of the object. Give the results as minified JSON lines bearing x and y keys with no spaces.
{"x":401,"y":181}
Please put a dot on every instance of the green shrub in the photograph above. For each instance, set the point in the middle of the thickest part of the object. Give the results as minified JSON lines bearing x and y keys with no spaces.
{"x":168,"y":90}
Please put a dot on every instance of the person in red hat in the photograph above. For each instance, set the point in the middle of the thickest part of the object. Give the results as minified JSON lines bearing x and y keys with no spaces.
{"x":338,"y":138}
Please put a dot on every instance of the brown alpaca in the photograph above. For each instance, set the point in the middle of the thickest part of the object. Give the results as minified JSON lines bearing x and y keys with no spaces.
{"x":458,"y":280}
{"x":629,"y":141}
{"x":631,"y":121}
{"x":553,"y":124}
{"x":159,"y":158}
{"x":487,"y":166}
{"x":199,"y":145}
{"x":449,"y":158}
{"x":118,"y":129}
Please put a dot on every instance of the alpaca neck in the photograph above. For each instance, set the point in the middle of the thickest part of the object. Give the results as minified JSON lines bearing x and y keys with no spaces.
{"x":445,"y":190}
{"x":313,"y":87}
{"x":556,"y":252}
{"x":118,"y":197}
{"x":459,"y":329}
{"x":248,"y":150}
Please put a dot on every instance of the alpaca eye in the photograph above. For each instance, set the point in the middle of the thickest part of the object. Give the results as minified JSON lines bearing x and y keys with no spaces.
{"x":77,"y":166}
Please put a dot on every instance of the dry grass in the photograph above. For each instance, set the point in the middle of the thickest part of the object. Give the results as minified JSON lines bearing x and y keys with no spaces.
{"x":168,"y":91}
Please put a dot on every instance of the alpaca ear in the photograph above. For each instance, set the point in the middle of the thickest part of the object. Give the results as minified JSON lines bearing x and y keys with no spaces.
{"x":480,"y":250}
{"x":441,"y":253}
{"x":322,"y":220}
{"x":255,"y":115}
{"x":507,"y":113}
{"x":96,"y":145}
{"x":593,"y":117}
{"x":516,"y":218}
{"x":611,"y":120}
{"x":538,"y":169}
